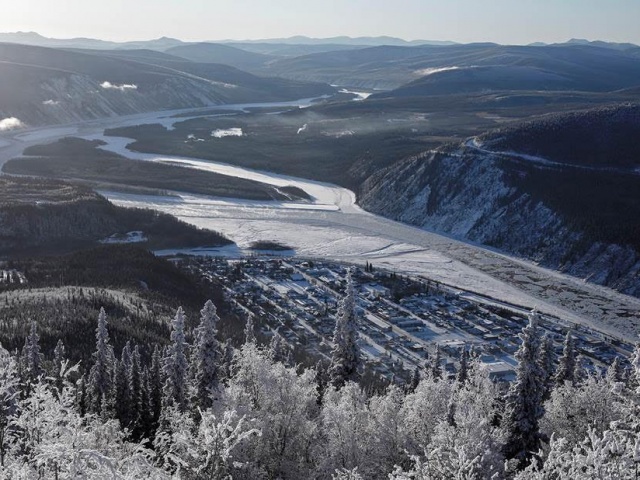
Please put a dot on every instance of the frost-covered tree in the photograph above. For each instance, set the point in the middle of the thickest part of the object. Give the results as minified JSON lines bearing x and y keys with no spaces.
{"x":205,"y":451}
{"x":155,"y":387}
{"x":205,"y":357}
{"x":249,"y":335}
{"x":573,"y":410}
{"x":102,"y":370}
{"x":524,"y":401}
{"x":424,"y":409}
{"x":175,"y":365}
{"x":281,"y":403}
{"x":53,"y":441}
{"x":121,"y":391}
{"x":59,"y":356}
{"x":345,"y":421}
{"x":436,"y":364}
{"x":137,"y":396}
{"x":615,"y":372}
{"x":463,"y":371}
{"x":31,"y":356}
{"x":469,"y":444}
{"x":9,"y":392}
{"x":345,"y":355}
{"x":547,"y":363}
{"x":414,"y":381}
{"x":613,"y":454}
{"x":567,"y":364}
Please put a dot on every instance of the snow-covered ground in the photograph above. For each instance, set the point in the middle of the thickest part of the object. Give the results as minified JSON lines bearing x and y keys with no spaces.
{"x":333,"y":226}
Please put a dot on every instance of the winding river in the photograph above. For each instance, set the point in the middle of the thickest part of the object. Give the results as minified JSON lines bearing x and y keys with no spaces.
{"x":332,"y":226}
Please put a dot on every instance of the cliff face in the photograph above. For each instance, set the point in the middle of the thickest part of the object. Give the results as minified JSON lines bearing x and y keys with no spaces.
{"x":481,"y":197}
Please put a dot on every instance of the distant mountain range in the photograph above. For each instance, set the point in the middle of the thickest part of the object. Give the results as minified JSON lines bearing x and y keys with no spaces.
{"x":41,"y":85}
{"x":33,"y":38}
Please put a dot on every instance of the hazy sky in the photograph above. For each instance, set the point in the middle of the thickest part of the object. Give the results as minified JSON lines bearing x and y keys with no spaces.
{"x":503,"y":21}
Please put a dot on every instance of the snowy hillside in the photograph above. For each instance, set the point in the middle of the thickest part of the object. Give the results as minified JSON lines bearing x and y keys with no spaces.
{"x":482,"y":197}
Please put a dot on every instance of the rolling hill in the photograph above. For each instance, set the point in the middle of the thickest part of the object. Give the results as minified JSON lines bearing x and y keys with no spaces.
{"x":581,"y":67}
{"x":42,"y":86}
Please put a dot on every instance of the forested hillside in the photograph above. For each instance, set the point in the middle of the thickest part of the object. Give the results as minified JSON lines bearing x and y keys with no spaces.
{"x":51,"y":216}
{"x":198,"y":409}
{"x":576,"y":210}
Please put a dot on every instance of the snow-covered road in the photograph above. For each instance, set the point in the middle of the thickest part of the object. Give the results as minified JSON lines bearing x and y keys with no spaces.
{"x":333,"y":226}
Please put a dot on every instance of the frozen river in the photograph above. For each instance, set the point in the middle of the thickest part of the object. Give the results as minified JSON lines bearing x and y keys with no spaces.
{"x":333,"y":226}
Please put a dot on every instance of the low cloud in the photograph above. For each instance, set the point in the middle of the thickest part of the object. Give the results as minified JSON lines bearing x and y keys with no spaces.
{"x":430,"y":71}
{"x":124,"y":87}
{"x":11,"y":123}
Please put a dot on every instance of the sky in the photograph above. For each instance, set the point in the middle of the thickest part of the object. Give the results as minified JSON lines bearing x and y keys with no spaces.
{"x":501,"y":21}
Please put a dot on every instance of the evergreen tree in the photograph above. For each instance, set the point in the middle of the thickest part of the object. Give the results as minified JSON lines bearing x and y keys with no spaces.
{"x":566,"y":371}
{"x":155,"y":387}
{"x":175,"y":366}
{"x":463,"y":372}
{"x":31,"y":355}
{"x":436,"y":364}
{"x":58,"y":362}
{"x":249,"y":335}
{"x":524,"y":402}
{"x":547,"y":363}
{"x":101,"y":371}
{"x":614,"y":372}
{"x":345,"y":356}
{"x":277,"y":349}
{"x":137,"y":403}
{"x":122,"y":393}
{"x":414,"y":381}
{"x":204,"y":360}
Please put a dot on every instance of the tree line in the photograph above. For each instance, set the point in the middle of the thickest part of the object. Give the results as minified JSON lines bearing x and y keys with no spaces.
{"x":207,"y":410}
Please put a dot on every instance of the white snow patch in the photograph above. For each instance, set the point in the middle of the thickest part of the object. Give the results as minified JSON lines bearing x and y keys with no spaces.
{"x":302,"y":129}
{"x":129,"y":237}
{"x":51,"y":103}
{"x":229,"y":132}
{"x":123,"y":87}
{"x":11,"y":123}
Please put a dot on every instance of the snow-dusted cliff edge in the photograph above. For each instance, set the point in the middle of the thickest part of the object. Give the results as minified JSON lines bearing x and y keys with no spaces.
{"x":467,"y":194}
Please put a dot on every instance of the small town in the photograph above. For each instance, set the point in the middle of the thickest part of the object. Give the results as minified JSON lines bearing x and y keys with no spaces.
{"x":404,"y":322}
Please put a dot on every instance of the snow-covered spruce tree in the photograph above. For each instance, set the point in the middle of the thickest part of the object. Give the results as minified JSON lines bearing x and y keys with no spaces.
{"x":175,"y":366}
{"x":136,"y":395}
{"x":155,"y":387}
{"x":615,"y":372}
{"x":436,"y":364}
{"x":567,"y":364}
{"x":463,"y":371}
{"x":345,"y":355}
{"x":524,"y":401}
{"x":414,"y":380}
{"x":205,"y":357}
{"x":547,"y":363}
{"x":59,"y":356}
{"x":32,"y":357}
{"x":102,"y":370}
{"x":121,"y":392}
